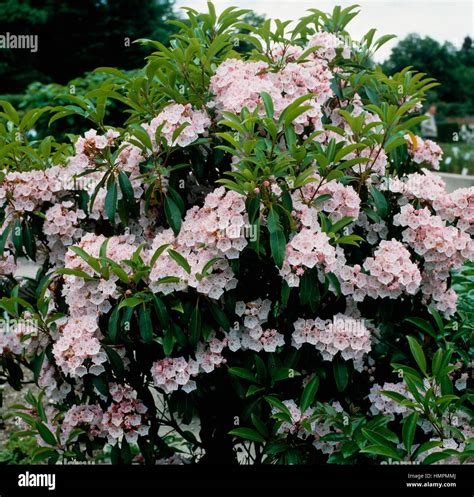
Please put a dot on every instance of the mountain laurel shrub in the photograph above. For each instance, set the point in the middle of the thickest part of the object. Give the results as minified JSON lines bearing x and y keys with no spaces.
{"x":254,"y":267}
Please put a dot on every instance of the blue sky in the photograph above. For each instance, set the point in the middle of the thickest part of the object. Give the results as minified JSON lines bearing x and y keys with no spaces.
{"x":443,"y":20}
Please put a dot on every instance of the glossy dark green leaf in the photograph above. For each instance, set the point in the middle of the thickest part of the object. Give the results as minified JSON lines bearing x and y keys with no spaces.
{"x":146,"y":327}
{"x":309,"y":392}
{"x":341,"y":373}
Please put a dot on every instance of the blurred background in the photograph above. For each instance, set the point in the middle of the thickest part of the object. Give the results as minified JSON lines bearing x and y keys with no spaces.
{"x":74,"y":37}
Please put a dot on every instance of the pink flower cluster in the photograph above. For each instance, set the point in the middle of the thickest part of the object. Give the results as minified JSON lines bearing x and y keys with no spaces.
{"x":381,"y":404}
{"x":239,"y":84}
{"x":307,"y":249}
{"x":436,"y":292}
{"x":174,"y":116}
{"x":424,"y":151}
{"x":389,"y":273}
{"x":169,"y":374}
{"x":458,"y":207}
{"x":172,"y":373}
{"x":442,"y":247}
{"x":252,"y":335}
{"x":217,"y":230}
{"x":376,"y":164}
{"x":344,"y":201}
{"x":48,"y":380}
{"x":88,"y":417}
{"x":373,"y":232}
{"x":426,"y":187}
{"x":125,"y":417}
{"x":21,"y":335}
{"x":7,"y":264}
{"x":91,"y":297}
{"x":219,"y":224}
{"x":78,"y":351}
{"x":342,"y":334}
{"x":266,"y":339}
{"x":329,"y":44}
{"x":297,"y":418}
{"x":27,"y":190}
{"x":254,"y":313}
{"x":62,"y":225}
{"x":92,"y":144}
{"x":61,"y":222}
{"x":219,"y":278}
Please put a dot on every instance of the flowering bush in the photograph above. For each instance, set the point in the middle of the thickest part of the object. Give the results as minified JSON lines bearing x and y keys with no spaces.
{"x":259,"y":250}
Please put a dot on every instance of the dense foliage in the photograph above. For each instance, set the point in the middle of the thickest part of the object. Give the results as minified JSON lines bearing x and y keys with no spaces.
{"x":256,"y":247}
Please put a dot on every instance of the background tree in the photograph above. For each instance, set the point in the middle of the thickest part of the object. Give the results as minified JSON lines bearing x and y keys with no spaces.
{"x":453,"y":68}
{"x":77,"y":36}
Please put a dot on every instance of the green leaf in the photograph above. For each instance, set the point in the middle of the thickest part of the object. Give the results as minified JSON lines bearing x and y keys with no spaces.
{"x":161,"y":312}
{"x":146,"y":327}
{"x":408,"y":431}
{"x":219,"y":316}
{"x":195,"y":326}
{"x":125,"y":452}
{"x":273,"y":401}
{"x":378,"y":438}
{"x":113,"y":324}
{"x":259,"y":424}
{"x":75,"y":272}
{"x":208,"y":265}
{"x":43,"y":453}
{"x":268,"y":103}
{"x":111,"y":201}
{"x":173,"y":215}
{"x":115,"y":361}
{"x":29,"y":242}
{"x":37,"y":364}
{"x":277,"y":238}
{"x":423,"y":325}
{"x":10,"y":111}
{"x":438,"y":456}
{"x":3,"y":237}
{"x":397,"y":397}
{"x":341,"y":373}
{"x":243,"y":373}
{"x":437,"y":317}
{"x":130,"y":302}
{"x":45,"y":433}
{"x":381,"y":450}
{"x":180,"y":260}
{"x":126,"y":188}
{"x":309,"y":393}
{"x":168,"y":342}
{"x":248,"y":434}
{"x":309,"y":289}
{"x":417,"y":353}
{"x":253,"y":389}
{"x":261,"y":369}
{"x":142,"y":136}
{"x":157,"y":254}
{"x":283,"y":373}
{"x":93,"y":263}
{"x":341,"y":224}
{"x":380,"y":201}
